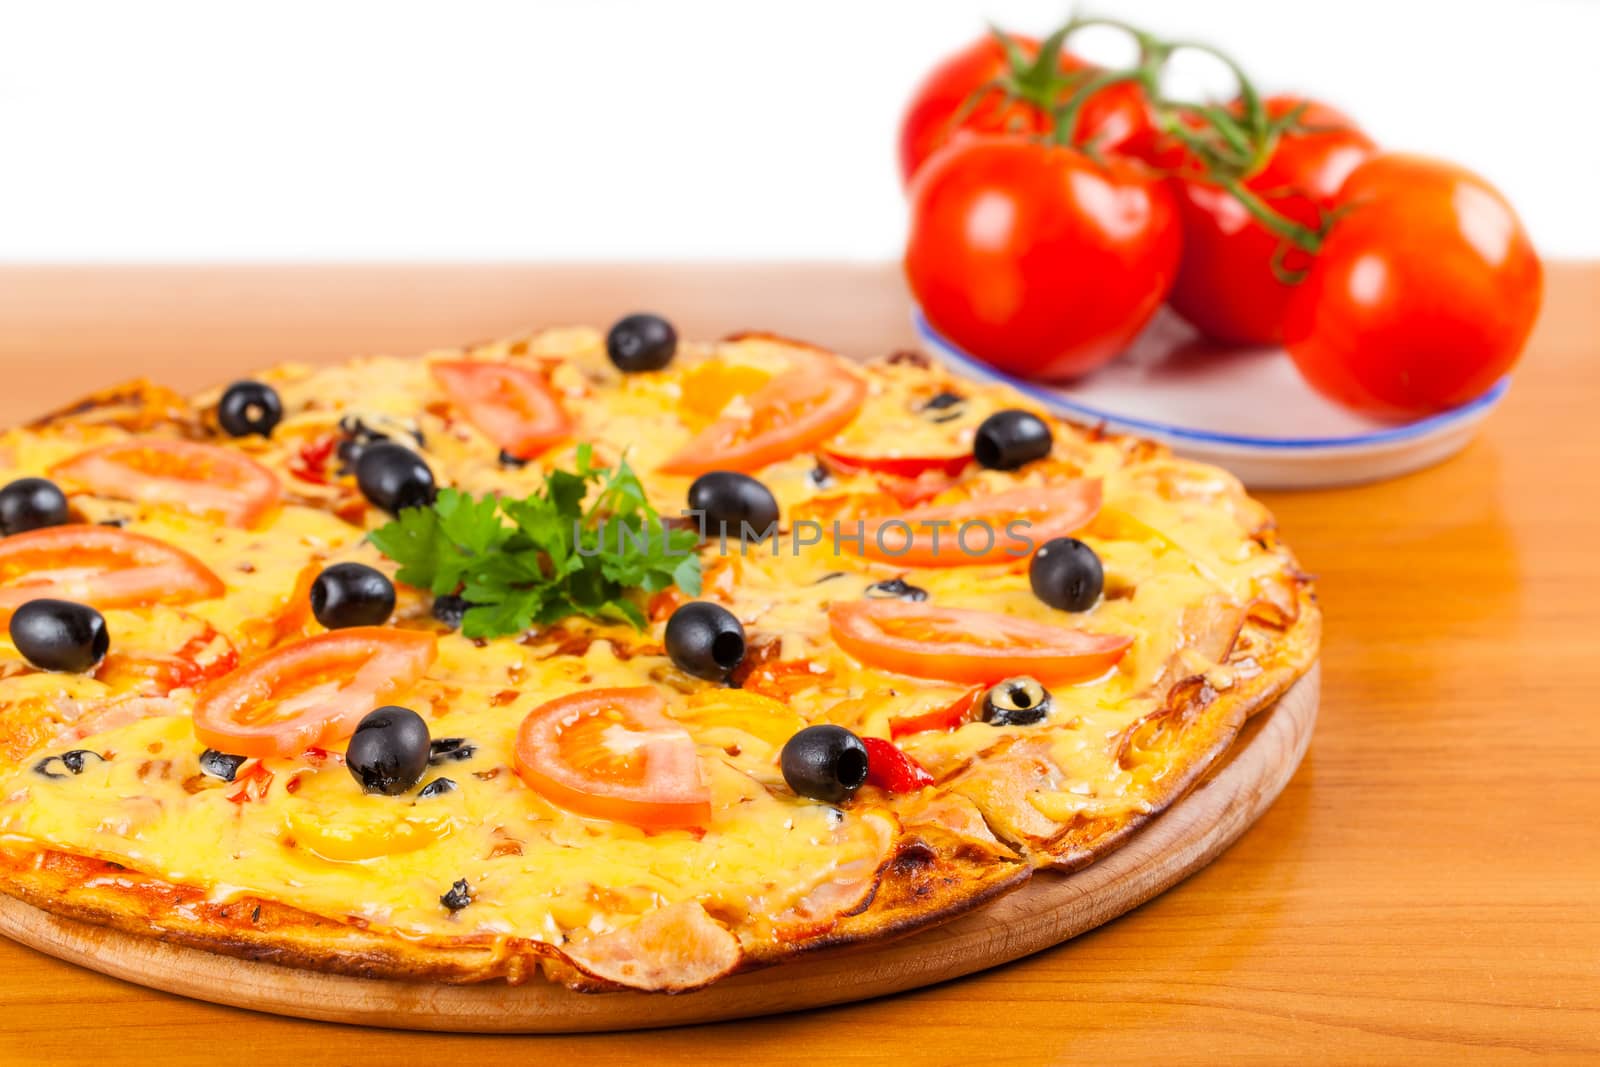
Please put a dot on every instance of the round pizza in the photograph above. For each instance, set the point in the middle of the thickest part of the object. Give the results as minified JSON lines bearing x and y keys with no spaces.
{"x":604,"y":658}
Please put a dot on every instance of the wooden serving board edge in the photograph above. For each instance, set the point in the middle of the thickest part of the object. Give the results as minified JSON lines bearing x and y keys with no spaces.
{"x":1047,"y":911}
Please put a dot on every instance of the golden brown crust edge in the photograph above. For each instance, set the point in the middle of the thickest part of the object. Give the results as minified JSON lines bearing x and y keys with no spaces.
{"x":1224,"y":717}
{"x":929,"y":877}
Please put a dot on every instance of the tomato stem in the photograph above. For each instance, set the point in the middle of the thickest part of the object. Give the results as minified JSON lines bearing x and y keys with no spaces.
{"x":1066,"y":116}
{"x":1228,"y":143}
{"x":1230,"y":146}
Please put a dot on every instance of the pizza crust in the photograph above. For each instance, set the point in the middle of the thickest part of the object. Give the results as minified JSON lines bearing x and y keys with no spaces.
{"x":930,"y":878}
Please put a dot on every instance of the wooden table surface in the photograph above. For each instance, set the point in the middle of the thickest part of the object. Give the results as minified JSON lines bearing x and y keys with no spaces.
{"x":1427,"y":888}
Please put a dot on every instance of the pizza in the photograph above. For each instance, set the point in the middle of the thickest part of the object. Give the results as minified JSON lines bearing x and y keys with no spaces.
{"x":604,"y":658}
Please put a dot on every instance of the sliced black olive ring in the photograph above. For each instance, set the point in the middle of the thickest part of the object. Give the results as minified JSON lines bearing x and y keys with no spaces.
{"x":71,"y":763}
{"x":1019,"y":701}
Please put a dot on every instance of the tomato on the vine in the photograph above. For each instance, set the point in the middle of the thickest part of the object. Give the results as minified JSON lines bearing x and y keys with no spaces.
{"x":1423,"y":293}
{"x":1036,"y":257}
{"x":1114,"y":119}
{"x":1229,"y":286}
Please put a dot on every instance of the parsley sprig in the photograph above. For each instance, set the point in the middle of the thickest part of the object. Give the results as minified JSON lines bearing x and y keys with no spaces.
{"x":538,"y":560}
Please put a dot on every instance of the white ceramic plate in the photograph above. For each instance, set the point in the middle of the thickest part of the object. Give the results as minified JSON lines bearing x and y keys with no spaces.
{"x":1246,"y":410}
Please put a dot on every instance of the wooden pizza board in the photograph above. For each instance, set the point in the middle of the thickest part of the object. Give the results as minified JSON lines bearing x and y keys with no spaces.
{"x":1048,"y":910}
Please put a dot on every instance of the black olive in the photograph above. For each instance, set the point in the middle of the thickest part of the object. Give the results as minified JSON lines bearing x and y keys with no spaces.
{"x":830,"y":576}
{"x":358,"y":437}
{"x":895,"y":589}
{"x":820,"y":476}
{"x":393,"y":478}
{"x":705,"y":640}
{"x":349,"y":453}
{"x":1018,"y":701}
{"x":1066,"y":574}
{"x":249,"y":408}
{"x":451,"y":748}
{"x":1008,"y":439}
{"x":642,"y":342}
{"x":945,"y":407}
{"x":450,"y":610}
{"x":728,"y":502}
{"x":352,"y":594}
{"x":459,"y":896}
{"x":220,"y":764}
{"x":31,"y":504}
{"x":71,"y":763}
{"x":437,"y":788}
{"x":825,"y":762}
{"x":388,"y":753}
{"x":508,"y":460}
{"x":60,"y":635}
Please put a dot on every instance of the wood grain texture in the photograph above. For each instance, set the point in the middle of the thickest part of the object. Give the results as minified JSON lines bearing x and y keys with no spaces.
{"x":1423,"y":891}
{"x":1047,"y":911}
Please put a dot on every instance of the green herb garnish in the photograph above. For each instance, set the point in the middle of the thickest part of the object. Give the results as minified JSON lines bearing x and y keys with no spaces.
{"x":536,"y":561}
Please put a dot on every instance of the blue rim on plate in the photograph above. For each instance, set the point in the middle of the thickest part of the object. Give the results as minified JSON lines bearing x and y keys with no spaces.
{"x":1410,"y":430}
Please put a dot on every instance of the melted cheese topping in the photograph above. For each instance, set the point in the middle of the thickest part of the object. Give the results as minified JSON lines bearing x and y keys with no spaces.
{"x":1174,"y":539}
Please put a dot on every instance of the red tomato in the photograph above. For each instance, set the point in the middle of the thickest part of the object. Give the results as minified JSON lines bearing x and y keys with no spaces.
{"x":310,"y":693}
{"x":1037,"y":259}
{"x":994,"y":526}
{"x":1423,"y":294}
{"x":117,"y":714}
{"x":1114,"y":119}
{"x":101,"y":566}
{"x":949,"y":717}
{"x":1226,"y":284}
{"x":512,"y":406}
{"x":206,"y":479}
{"x":898,"y":466}
{"x":961,"y":645}
{"x":892,"y":770}
{"x":310,"y":463}
{"x":204,"y":654}
{"x":794,"y":411}
{"x":613,"y":754}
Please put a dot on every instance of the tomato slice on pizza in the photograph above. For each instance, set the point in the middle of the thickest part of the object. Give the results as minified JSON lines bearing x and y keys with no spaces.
{"x":963,"y":645}
{"x":898,"y":466}
{"x":101,"y":566}
{"x":613,"y":754}
{"x":512,"y":406}
{"x":206,"y":479}
{"x":1003,"y":527}
{"x":952,"y":715}
{"x":312,"y":692}
{"x":796,"y":410}
{"x":181,"y":653}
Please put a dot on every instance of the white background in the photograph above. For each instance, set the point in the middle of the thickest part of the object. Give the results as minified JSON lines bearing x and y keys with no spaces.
{"x":677,"y":129}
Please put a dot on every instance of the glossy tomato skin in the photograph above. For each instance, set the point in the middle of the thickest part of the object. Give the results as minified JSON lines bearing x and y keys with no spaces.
{"x":794,"y":411}
{"x":1116,"y":119}
{"x":1423,"y":294}
{"x":1037,"y":259}
{"x":562,"y":753}
{"x":1226,"y":286}
{"x":102,"y":566}
{"x":999,"y":528}
{"x":355,"y":670}
{"x":202,"y":478}
{"x":966,"y":646}
{"x":511,"y":405}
